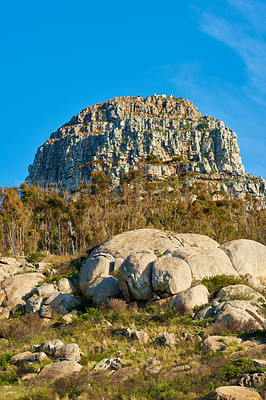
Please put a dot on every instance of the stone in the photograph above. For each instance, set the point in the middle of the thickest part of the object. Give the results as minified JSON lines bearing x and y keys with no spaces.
{"x":166,"y":339}
{"x":107,"y":289}
{"x":109,"y":364}
{"x":17,"y":287}
{"x":121,"y":246}
{"x":58,"y":303}
{"x":69,"y":352}
{"x":45,"y":290}
{"x":93,"y":271}
{"x":170,"y":275}
{"x":247,"y":256}
{"x":233,"y":393}
{"x":65,"y":285}
{"x":4,"y":312}
{"x":257,"y":380}
{"x":240,"y":292}
{"x":51,"y":346}
{"x":220,"y":343}
{"x":58,"y":369}
{"x":205,"y":263}
{"x":135,"y":277}
{"x":27,"y":358}
{"x":33,"y":304}
{"x":239,"y":312}
{"x":185,"y":301}
{"x":141,"y":337}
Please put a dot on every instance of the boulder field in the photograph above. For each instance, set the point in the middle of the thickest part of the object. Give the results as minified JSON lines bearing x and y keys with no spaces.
{"x":149,"y":266}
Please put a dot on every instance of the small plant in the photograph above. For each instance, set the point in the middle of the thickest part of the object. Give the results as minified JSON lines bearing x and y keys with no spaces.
{"x":116,"y":306}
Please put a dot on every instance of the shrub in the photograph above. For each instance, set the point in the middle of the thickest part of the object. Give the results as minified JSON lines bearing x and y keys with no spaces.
{"x":116,"y":306}
{"x":237,"y":367}
{"x":217,"y":282}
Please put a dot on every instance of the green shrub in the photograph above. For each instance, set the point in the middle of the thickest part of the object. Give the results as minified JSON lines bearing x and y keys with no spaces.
{"x":35,"y":257}
{"x":237,"y":367}
{"x":217,"y":282}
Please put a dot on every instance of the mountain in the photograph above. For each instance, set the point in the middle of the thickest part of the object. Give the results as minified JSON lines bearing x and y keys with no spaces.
{"x":163,"y":136}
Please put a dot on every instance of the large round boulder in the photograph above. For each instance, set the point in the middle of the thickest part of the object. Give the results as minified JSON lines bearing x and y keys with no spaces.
{"x":107,"y":289}
{"x":129,"y":242}
{"x":247,"y":256}
{"x":135,"y":276}
{"x":93,"y":271}
{"x":170,"y":275}
{"x":205,"y":263}
{"x":233,"y":393}
{"x":185,"y":301}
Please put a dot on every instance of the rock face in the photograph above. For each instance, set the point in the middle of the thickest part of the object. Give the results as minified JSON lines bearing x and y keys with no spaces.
{"x":162,"y":135}
{"x":247,"y":256}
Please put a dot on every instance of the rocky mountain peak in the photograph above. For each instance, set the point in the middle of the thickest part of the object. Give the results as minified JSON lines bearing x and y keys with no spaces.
{"x":162,"y":135}
{"x":116,"y":135}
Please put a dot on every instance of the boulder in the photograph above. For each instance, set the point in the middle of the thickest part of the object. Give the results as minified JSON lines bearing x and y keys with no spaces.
{"x":185,"y":301}
{"x":65,"y":285}
{"x":240,"y":292}
{"x":69,"y":352}
{"x":51,"y":346}
{"x":121,"y":246}
{"x":170,"y":275}
{"x":17,"y":287}
{"x":107,"y":289}
{"x":33,"y":304}
{"x":27,"y":358}
{"x":93,"y":271}
{"x":196,"y":240}
{"x":233,"y":393}
{"x":219,"y":343}
{"x":166,"y":339}
{"x":135,"y":276}
{"x":45,"y":290}
{"x":57,"y":303}
{"x":59,"y":369}
{"x":247,"y":256}
{"x":205,"y":263}
{"x":109,"y":364}
{"x":239,"y":312}
{"x":257,"y":380}
{"x":140,"y":336}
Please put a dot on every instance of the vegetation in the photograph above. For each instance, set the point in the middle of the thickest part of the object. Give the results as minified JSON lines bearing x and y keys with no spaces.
{"x":99,"y":334}
{"x":34,"y":221}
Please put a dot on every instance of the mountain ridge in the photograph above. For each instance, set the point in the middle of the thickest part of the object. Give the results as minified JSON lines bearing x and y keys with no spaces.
{"x":162,"y":135}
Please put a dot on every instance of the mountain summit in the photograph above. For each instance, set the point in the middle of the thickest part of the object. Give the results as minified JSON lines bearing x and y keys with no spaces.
{"x":160,"y":134}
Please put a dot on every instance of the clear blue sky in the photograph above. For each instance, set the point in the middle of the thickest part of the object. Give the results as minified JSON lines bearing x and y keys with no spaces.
{"x":57,"y":57}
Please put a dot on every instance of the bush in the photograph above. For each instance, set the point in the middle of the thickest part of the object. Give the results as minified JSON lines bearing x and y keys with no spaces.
{"x":217,"y":282}
{"x":116,"y":306}
{"x":237,"y":367}
{"x":35,"y":257}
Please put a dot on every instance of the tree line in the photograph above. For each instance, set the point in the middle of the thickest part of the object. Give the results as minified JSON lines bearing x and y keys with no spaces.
{"x":48,"y":221}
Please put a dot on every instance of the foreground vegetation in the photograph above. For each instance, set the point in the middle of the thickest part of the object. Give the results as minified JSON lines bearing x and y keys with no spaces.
{"x":98,"y":334}
{"x":37,"y":220}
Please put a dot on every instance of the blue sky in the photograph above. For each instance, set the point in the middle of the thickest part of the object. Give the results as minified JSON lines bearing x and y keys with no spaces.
{"x":62,"y":56}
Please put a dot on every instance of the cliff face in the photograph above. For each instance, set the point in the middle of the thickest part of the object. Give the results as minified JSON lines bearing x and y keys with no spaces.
{"x":162,"y":134}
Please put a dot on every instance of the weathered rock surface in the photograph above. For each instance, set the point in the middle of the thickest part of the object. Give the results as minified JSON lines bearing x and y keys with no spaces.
{"x":135,"y":276}
{"x":196,"y":240}
{"x":170,"y":275}
{"x":233,"y":393}
{"x":240,"y":292}
{"x":220,"y":343}
{"x":69,"y":352}
{"x":109,"y":364}
{"x":185,"y":301}
{"x":121,"y":246}
{"x":205,"y":263}
{"x":93,"y":271}
{"x":59,"y":369}
{"x":107,"y":289}
{"x":17,"y":287}
{"x":247,"y":256}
